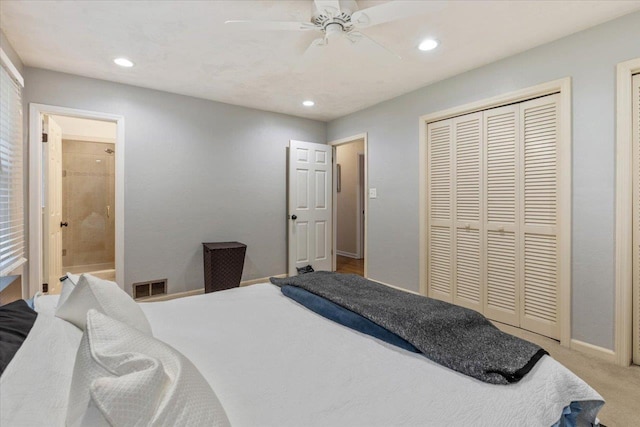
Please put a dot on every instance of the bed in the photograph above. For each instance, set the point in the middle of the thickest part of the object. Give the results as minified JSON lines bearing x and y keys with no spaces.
{"x":273,"y":362}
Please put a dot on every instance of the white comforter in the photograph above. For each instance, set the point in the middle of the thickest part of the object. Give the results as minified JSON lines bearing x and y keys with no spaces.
{"x":272,"y":362}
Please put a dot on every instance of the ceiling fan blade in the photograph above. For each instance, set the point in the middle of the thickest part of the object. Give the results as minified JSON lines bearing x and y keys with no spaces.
{"x":332,"y":7}
{"x":393,"y":11}
{"x":310,"y":56}
{"x":363,"y":42}
{"x":272,"y":25}
{"x":350,"y":5}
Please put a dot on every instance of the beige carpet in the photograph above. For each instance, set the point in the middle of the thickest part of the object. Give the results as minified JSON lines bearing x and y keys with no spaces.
{"x":619,"y":386}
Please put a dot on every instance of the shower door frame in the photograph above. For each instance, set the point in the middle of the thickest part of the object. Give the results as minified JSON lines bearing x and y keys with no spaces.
{"x":36,"y":256}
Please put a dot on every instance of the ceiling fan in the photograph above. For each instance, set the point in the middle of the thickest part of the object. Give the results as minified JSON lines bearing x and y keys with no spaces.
{"x":341,"y":19}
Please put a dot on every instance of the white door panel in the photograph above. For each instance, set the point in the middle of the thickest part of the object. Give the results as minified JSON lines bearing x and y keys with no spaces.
{"x":501,"y":169}
{"x":467,"y":202}
{"x":53,"y":206}
{"x":440,"y":220}
{"x":539,"y":215}
{"x":310,"y":212}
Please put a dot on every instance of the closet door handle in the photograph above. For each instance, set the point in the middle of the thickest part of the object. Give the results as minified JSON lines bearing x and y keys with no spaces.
{"x":108,"y":211}
{"x":64,"y":224}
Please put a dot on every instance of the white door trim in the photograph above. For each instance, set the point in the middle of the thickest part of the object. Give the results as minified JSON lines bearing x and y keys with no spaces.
{"x":35,"y":187}
{"x":624,"y":212}
{"x":335,"y":143}
{"x":563,"y":86}
{"x":361,"y":197}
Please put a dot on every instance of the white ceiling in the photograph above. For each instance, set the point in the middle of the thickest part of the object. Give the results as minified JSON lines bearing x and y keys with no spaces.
{"x":93,"y":130}
{"x":185,"y":47}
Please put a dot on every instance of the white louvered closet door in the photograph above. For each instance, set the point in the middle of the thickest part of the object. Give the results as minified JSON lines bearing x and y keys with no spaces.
{"x":440,"y":220}
{"x":492,"y":212}
{"x":502,"y":194}
{"x":636,"y":219}
{"x":468,"y":287}
{"x":539,"y":131}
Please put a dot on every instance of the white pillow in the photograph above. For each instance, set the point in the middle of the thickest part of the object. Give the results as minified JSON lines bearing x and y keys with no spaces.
{"x":68,"y":285}
{"x":34,"y":387}
{"x":123,"y":377}
{"x":46,"y":304}
{"x":105,"y":297}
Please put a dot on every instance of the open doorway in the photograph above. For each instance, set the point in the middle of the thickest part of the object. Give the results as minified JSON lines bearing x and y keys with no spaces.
{"x":77,"y":161}
{"x":349,"y":241}
{"x":88,"y":196}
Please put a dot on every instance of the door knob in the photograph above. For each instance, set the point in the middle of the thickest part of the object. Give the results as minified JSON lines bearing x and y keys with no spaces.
{"x":294,"y":217}
{"x":64,"y":224}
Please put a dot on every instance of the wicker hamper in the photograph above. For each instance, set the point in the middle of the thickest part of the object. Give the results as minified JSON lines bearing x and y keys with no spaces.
{"x":223,"y":263}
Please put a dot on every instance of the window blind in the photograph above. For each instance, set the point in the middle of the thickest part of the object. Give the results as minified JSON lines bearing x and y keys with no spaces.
{"x":11,"y":175}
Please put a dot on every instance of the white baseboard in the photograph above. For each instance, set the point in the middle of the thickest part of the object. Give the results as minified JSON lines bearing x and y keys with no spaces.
{"x":261,"y":280}
{"x":347,"y":254}
{"x":200,"y":291}
{"x":594,"y":350}
{"x":394,"y":287}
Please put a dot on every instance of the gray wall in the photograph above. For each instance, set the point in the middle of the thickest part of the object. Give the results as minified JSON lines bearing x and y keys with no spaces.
{"x":11,"y":53}
{"x":195,"y":171}
{"x":590,"y":58}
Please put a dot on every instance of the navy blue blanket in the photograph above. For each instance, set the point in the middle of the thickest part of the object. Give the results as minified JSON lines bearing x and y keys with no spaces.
{"x":345,"y":317}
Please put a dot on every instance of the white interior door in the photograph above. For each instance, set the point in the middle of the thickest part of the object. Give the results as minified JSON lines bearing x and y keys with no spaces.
{"x":310,"y":211}
{"x":636,"y":219}
{"x":52,"y":211}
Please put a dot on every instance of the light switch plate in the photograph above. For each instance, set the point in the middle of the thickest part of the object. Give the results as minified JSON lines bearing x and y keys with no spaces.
{"x":373,"y":193}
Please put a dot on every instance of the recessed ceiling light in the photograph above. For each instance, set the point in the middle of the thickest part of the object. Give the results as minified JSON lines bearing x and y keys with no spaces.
{"x":123,"y":62}
{"x":308,"y":103}
{"x":428,"y":44}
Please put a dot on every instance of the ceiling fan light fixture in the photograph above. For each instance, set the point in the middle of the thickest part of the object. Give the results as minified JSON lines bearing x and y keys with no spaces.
{"x":123,"y":62}
{"x":308,"y":103}
{"x":427,"y":45}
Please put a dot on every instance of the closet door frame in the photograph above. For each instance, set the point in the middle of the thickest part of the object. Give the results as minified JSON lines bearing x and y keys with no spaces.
{"x":624,"y":213}
{"x":563,"y":87}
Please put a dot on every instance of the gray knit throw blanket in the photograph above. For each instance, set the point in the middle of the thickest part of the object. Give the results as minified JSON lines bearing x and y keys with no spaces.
{"x":458,"y":338}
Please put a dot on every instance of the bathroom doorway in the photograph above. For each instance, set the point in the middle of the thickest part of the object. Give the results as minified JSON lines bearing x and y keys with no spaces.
{"x":88,"y":196}
{"x":81,"y":168}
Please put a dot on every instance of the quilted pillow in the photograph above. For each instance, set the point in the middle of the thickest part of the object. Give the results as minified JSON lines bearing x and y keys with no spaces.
{"x":123,"y":377}
{"x":68,"y":285}
{"x":106,"y":297}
